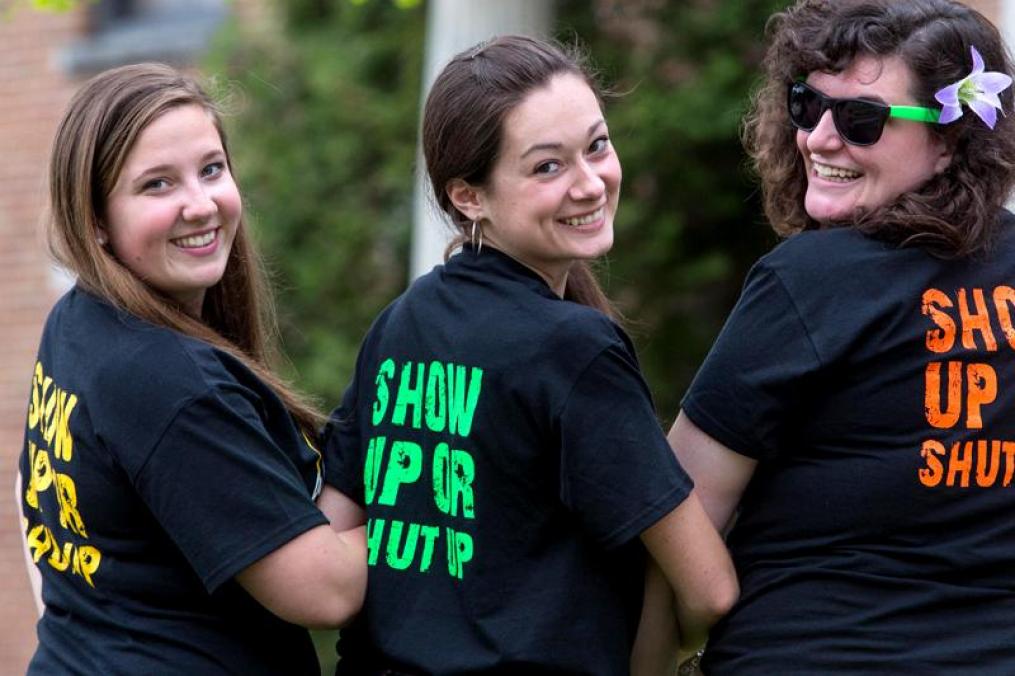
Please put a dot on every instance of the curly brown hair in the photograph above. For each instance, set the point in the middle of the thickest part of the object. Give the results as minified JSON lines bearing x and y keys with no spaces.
{"x":954,"y":213}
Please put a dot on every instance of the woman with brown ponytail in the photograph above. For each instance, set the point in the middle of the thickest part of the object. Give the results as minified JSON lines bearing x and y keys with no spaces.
{"x":498,"y":437}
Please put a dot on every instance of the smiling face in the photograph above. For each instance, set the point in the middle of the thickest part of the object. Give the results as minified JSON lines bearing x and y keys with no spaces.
{"x":552,"y":193}
{"x":843,"y":178}
{"x":173,"y":213}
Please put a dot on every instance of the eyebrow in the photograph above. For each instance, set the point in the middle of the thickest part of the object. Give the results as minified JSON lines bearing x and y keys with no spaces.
{"x":876,"y":98}
{"x":557,"y":146}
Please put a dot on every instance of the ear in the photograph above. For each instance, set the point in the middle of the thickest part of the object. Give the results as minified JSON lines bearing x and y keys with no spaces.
{"x":467,"y":198}
{"x":101,"y":236}
{"x":944,"y":158}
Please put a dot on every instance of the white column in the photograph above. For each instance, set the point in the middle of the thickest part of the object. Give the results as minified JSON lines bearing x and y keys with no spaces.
{"x":1006,"y":23}
{"x":452,"y":26}
{"x":1006,"y":20}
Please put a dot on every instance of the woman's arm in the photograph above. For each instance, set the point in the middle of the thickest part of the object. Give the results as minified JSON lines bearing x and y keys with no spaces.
{"x":342,"y":512}
{"x":704,"y":578}
{"x":335,"y":562}
{"x":34,"y":576}
{"x":656,"y":646}
{"x":720,"y":475}
{"x":694,"y":560}
{"x":273,"y":580}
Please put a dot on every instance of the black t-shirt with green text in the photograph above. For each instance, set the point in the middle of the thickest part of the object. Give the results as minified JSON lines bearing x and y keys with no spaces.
{"x":155,"y":468}
{"x":504,"y":445}
{"x":874,"y":385}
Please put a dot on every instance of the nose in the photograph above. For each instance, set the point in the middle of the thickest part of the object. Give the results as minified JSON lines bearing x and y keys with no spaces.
{"x":588,"y":184}
{"x":198,"y":205}
{"x":825,"y":136}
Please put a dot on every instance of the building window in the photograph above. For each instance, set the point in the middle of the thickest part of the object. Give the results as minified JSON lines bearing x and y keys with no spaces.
{"x":130,"y":31}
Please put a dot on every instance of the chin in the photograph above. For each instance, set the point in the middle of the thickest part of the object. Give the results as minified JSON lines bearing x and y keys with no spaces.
{"x":590,"y":254}
{"x":198,"y":286}
{"x":603,"y":243}
{"x":828,"y":213}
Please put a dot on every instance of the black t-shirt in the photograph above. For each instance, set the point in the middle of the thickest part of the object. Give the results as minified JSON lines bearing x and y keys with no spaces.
{"x":874,"y":386}
{"x":155,"y":468}
{"x":506,"y":450}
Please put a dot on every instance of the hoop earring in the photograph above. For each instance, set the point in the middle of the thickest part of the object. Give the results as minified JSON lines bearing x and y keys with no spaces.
{"x":477,"y":247}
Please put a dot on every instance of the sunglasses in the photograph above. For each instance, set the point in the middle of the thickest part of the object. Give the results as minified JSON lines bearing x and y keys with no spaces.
{"x":858,"y":121}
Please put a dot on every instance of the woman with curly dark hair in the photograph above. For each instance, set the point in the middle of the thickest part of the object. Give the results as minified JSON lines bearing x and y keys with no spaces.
{"x":855,"y":410}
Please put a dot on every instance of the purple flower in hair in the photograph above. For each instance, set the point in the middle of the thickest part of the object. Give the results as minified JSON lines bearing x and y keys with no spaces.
{"x":978,"y":91}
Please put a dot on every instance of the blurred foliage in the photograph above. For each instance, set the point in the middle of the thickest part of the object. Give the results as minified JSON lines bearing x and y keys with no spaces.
{"x":690,"y":220}
{"x":403,"y":4}
{"x":325,"y":154}
{"x":325,"y":125}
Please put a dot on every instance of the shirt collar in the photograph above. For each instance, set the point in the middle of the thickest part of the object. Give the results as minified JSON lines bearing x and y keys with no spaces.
{"x":493,"y":262}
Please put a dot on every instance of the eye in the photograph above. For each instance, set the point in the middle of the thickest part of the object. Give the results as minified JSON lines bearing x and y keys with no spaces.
{"x":214,"y":169}
{"x":155,"y":185}
{"x":599,"y":145}
{"x":548,"y":167}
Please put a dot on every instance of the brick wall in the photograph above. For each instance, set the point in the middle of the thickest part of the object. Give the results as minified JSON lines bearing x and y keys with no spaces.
{"x":989,"y":8}
{"x":33,"y":95}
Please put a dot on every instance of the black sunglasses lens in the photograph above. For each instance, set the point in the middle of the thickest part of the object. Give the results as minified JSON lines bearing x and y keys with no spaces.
{"x":860,"y":122}
{"x":804,"y":107}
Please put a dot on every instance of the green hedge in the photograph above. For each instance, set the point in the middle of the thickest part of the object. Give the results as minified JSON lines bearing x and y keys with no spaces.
{"x":325,"y":149}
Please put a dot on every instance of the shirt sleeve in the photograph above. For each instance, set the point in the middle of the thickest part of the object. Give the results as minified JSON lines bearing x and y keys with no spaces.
{"x":750,"y":386}
{"x":221,"y":487}
{"x":618,"y":474}
{"x":342,"y":452}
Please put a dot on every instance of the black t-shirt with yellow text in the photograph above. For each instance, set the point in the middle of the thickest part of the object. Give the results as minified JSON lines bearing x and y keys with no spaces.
{"x":504,"y":445}
{"x":155,"y":468}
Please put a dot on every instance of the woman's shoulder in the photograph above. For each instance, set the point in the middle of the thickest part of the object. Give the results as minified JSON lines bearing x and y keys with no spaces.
{"x":829,"y":248}
{"x":847,"y":260}
{"x":127,"y":358}
{"x":577,"y":320}
{"x":574,"y":335}
{"x":842,"y":261}
{"x":129,"y":379}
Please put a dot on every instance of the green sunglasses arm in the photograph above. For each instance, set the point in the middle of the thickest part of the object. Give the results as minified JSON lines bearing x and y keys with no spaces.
{"x":915,"y":113}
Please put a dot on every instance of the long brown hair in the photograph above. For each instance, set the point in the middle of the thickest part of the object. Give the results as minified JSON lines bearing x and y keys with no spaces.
{"x":956,"y":212}
{"x":98,"y":131}
{"x":463,"y":126}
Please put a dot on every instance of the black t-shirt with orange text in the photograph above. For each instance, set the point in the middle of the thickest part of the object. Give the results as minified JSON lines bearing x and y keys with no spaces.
{"x":876,"y":388}
{"x":505,"y":448}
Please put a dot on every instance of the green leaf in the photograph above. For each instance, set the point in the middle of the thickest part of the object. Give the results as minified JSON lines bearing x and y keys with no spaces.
{"x":55,"y":5}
